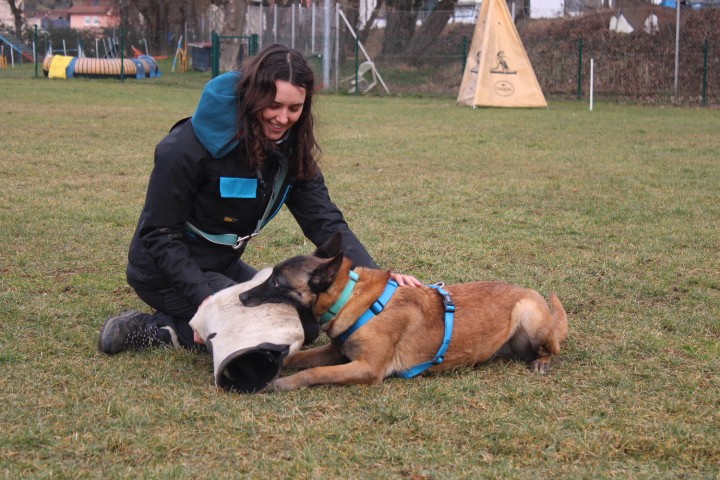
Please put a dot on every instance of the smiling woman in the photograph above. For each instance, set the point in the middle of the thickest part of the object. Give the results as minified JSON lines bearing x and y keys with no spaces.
{"x":277,"y":119}
{"x":219,"y":177}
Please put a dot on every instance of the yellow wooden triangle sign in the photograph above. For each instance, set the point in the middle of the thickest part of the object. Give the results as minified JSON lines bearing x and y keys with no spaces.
{"x":498,"y":72}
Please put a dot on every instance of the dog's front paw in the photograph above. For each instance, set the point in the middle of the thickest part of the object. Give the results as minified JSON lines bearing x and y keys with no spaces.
{"x":269,"y":388}
{"x":279,"y":385}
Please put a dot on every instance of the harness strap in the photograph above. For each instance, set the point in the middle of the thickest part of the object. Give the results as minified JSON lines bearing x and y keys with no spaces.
{"x":277,"y":186}
{"x":440,"y":356}
{"x":342,"y":300}
{"x":378,"y":307}
{"x":235,"y":241}
{"x":228,"y":239}
{"x":374,"y":309}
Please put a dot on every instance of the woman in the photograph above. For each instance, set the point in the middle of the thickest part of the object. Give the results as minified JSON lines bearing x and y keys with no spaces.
{"x":219,"y":176}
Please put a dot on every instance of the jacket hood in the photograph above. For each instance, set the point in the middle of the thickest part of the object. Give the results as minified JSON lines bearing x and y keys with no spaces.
{"x":215,"y":120}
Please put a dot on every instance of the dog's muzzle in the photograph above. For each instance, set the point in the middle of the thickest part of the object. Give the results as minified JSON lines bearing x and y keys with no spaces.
{"x":249,"y":370}
{"x":248,"y":363}
{"x":248,"y":345}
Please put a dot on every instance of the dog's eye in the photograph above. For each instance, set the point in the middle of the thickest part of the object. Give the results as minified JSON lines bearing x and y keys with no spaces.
{"x":275,"y":282}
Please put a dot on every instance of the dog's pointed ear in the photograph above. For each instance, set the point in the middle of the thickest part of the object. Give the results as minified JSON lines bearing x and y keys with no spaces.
{"x":324,"y":275}
{"x":330,"y":248}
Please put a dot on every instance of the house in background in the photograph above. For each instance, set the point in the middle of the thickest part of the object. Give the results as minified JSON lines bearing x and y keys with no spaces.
{"x":95,"y":14}
{"x":49,"y":19}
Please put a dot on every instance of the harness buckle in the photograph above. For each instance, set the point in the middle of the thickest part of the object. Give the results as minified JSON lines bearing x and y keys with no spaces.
{"x":449,"y":305}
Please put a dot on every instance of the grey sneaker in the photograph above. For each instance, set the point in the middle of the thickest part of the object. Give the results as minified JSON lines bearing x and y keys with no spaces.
{"x":126,"y":331}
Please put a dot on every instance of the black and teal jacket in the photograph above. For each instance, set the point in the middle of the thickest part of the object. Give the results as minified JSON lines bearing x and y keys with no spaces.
{"x":201,"y":175}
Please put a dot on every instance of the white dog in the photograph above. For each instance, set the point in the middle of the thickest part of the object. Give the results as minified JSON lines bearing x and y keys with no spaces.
{"x":248,"y":344}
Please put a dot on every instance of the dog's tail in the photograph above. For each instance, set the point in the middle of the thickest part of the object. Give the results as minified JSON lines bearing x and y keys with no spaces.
{"x":560,"y":318}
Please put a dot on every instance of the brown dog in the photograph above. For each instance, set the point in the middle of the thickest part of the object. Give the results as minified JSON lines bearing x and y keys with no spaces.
{"x":490,"y":319}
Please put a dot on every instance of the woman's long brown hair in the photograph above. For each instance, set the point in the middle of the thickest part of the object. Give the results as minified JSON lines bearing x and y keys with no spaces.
{"x":256,"y":91}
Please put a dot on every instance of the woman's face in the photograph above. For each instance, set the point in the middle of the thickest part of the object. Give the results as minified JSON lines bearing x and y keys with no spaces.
{"x":285,"y":110}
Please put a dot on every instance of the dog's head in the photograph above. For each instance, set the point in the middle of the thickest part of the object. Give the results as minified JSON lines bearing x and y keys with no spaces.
{"x":299,"y":280}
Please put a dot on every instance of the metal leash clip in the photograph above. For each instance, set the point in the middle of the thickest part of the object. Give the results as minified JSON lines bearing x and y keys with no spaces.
{"x":241,"y":241}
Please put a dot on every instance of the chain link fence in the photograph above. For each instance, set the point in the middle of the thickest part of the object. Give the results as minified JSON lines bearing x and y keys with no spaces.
{"x":639,"y":66}
{"x":423,"y":53}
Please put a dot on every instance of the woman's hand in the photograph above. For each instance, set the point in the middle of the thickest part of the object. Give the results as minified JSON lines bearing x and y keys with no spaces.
{"x":196,"y":338}
{"x":405,"y":280}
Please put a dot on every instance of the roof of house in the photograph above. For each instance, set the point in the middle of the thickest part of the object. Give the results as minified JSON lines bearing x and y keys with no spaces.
{"x":50,"y":13}
{"x":90,"y":10}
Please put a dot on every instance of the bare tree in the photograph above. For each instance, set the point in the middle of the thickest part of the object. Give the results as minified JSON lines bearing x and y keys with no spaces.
{"x":401,"y":17}
{"x":235,"y":11}
{"x":158,"y":17}
{"x":365,"y":32}
{"x":17,"y":11}
{"x":430,"y":29}
{"x":188,"y":10}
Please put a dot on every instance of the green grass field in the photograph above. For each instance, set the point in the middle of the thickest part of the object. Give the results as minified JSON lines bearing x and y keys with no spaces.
{"x":617,"y":210}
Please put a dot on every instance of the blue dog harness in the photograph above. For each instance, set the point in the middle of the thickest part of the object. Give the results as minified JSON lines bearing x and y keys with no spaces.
{"x":449,"y":321}
{"x":374,"y":309}
{"x":378,"y":307}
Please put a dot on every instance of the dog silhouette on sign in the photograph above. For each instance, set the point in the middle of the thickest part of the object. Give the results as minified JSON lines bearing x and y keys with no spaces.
{"x":502,"y":65}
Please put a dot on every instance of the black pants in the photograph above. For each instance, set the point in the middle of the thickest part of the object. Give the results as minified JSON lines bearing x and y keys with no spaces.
{"x":172,"y":308}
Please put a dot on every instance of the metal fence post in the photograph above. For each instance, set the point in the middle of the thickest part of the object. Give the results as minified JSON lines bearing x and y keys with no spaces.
{"x":35,"y":54}
{"x":579,"y":75}
{"x":327,"y":42}
{"x":357,"y":64}
{"x":122,"y":54}
{"x":706,"y":47}
{"x":215,"y":55}
{"x":253,"y":47}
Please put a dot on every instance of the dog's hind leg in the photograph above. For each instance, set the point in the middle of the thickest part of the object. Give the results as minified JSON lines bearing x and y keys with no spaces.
{"x":523,"y":347}
{"x":537,"y":337}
